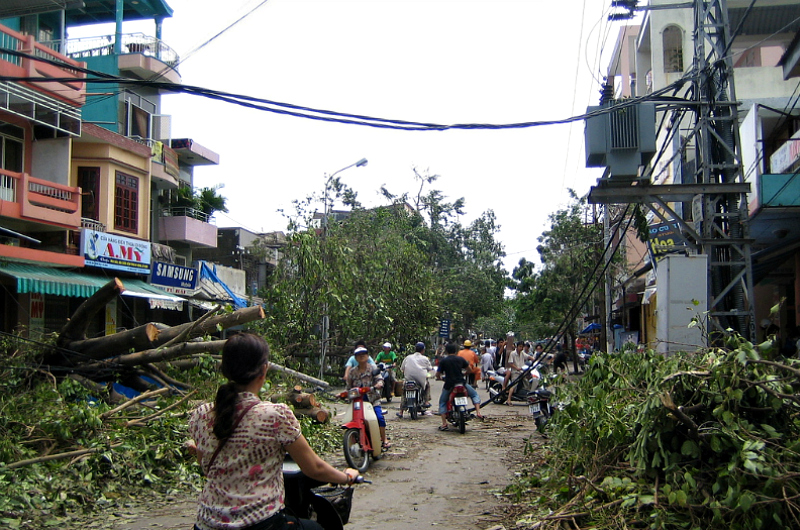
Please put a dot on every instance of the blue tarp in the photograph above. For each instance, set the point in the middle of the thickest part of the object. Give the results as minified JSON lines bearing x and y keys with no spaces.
{"x":210,"y":274}
{"x":594,"y":326}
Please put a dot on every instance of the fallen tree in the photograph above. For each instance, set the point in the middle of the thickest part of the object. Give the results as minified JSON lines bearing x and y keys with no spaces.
{"x":692,"y":440}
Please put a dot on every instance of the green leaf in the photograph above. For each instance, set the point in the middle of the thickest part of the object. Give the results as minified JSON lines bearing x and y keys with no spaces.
{"x":746,"y":500}
{"x":690,"y":448}
{"x":680,"y":497}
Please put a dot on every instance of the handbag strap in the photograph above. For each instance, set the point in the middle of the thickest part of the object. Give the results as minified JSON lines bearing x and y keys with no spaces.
{"x":233,"y":428}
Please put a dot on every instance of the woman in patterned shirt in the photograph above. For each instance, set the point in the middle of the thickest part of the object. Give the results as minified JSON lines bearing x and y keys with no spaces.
{"x":240,"y":443}
{"x":366,"y":375}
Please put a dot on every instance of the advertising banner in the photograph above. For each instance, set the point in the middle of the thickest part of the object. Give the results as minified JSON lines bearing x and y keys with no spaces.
{"x":664,"y":238}
{"x":174,"y":279}
{"x":110,"y":251}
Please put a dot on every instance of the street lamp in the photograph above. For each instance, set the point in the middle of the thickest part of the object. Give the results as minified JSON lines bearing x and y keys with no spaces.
{"x":325,"y":318}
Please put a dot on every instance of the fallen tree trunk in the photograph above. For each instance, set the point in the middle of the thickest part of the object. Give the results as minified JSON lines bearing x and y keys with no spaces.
{"x":154,"y":335}
{"x":299,"y":375}
{"x":185,"y":349}
{"x":75,"y":328}
{"x":242,"y":316}
{"x":136,"y":339}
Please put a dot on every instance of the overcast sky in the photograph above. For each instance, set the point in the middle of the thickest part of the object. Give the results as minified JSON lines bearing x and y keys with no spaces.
{"x":441,"y":61}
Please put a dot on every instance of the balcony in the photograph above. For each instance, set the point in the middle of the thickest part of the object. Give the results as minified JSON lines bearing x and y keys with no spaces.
{"x":28,"y":198}
{"x":145,"y":56}
{"x":187,"y":225}
{"x":55,"y":104}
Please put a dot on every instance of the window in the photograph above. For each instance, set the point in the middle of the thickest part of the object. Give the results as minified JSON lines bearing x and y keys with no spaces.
{"x":673,"y":49}
{"x":126,"y":203}
{"x":11,"y":142}
{"x":89,"y":181}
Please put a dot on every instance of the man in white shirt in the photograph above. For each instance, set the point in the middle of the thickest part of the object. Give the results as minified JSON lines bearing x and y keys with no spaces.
{"x":416,"y":367}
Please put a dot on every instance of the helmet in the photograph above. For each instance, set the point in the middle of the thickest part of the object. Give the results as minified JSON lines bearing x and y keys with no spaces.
{"x":387,"y":344}
{"x":467,"y":343}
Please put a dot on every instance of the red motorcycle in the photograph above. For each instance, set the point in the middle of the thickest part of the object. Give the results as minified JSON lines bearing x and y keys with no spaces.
{"x":457,"y":404}
{"x":362,"y":435}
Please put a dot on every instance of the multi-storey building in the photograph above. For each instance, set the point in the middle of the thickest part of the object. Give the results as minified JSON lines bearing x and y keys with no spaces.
{"x":89,"y":173}
{"x":660,"y":51}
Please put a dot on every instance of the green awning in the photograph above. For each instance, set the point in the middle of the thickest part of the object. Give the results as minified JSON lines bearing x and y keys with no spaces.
{"x":61,"y":282}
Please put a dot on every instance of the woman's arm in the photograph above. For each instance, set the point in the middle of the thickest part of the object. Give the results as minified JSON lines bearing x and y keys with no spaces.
{"x":315,"y":467}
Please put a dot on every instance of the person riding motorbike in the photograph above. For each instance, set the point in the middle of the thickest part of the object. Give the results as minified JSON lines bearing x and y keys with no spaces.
{"x":388,"y":358}
{"x":351,"y":362}
{"x":514,"y":366}
{"x":240,"y":442}
{"x":415,"y":368}
{"x":365,"y":375}
{"x":451,"y":370}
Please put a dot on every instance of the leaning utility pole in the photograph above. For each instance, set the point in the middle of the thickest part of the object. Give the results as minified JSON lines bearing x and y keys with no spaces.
{"x":717,"y":191}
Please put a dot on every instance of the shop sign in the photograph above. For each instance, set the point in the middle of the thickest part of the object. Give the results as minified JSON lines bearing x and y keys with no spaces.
{"x":110,"y":251}
{"x":174,"y":279}
{"x":786,"y":155}
{"x":37,"y":312}
{"x":665,"y":237}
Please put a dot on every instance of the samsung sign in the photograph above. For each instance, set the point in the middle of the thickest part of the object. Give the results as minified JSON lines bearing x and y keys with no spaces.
{"x":174,"y":278}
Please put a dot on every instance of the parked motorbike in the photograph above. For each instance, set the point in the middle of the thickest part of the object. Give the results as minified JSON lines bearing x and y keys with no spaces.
{"x":362,"y":436}
{"x":539,"y":407}
{"x":415,"y":399}
{"x":306,"y":498}
{"x":520,"y":391}
{"x":387,"y":374}
{"x":457,"y":412}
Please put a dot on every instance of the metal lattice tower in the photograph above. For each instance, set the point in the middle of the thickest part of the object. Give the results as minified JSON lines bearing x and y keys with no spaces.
{"x":724,"y":215}
{"x":719,"y":223}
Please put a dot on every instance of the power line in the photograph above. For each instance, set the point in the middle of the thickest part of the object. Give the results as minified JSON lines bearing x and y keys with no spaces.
{"x":300,"y":111}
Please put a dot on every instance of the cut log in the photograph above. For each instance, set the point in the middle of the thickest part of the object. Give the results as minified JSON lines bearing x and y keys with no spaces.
{"x":304,"y":401}
{"x":317,"y":414}
{"x":136,"y":339}
{"x":242,"y":316}
{"x":75,"y":328}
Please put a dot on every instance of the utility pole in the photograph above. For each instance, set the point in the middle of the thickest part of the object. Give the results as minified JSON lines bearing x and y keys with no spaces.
{"x":725,"y":230}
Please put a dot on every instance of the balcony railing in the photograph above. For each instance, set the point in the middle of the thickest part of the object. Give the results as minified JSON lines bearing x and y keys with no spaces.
{"x":180,"y":211}
{"x":39,"y":199}
{"x":60,"y":97}
{"x":91,"y":224}
{"x":131,"y":43}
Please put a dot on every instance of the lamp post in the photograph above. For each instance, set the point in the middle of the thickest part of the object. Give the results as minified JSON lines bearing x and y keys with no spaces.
{"x":325,"y":319}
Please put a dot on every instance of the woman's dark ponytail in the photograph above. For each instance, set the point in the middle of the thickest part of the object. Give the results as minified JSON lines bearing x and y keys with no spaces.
{"x":243,"y":357}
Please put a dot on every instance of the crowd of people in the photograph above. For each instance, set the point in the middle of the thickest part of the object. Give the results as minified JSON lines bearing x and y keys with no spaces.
{"x":241,"y":441}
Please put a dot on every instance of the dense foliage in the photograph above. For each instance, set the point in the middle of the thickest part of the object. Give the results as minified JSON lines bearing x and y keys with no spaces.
{"x":389,"y":273}
{"x":688,"y":441}
{"x":112,"y":460}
